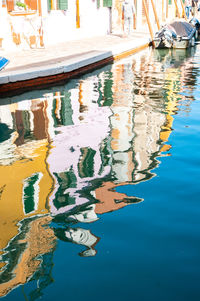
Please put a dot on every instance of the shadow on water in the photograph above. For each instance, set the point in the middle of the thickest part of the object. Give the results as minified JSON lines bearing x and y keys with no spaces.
{"x":65,"y":151}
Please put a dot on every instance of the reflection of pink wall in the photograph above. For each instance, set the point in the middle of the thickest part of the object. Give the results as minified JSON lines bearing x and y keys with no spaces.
{"x":62,"y":158}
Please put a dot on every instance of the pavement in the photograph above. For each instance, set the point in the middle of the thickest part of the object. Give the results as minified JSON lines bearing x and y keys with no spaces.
{"x":56,"y":62}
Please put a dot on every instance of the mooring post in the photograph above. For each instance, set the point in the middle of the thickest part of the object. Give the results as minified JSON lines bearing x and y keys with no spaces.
{"x":155,"y":14}
{"x":148,"y":21}
{"x":183,"y":10}
{"x":176,"y":4}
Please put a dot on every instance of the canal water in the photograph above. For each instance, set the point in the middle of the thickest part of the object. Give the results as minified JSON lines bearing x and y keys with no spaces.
{"x":99,"y":184}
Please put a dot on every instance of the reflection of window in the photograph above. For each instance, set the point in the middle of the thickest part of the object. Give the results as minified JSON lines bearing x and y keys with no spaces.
{"x":105,"y":151}
{"x":57,"y":4}
{"x":31,"y":193}
{"x":66,"y":180}
{"x":108,"y":94}
{"x":62,"y":110}
{"x":86,"y":163}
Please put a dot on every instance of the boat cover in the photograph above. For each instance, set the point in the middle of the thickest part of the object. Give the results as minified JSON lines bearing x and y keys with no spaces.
{"x":183,"y":29}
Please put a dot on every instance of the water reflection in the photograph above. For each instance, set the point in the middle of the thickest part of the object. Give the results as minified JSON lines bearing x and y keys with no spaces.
{"x":64,"y":151}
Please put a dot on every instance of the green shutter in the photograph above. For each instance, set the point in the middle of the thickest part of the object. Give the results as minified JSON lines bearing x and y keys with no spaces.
{"x":98,"y":3}
{"x":63,"y":4}
{"x":49,"y":5}
{"x":107,"y":3}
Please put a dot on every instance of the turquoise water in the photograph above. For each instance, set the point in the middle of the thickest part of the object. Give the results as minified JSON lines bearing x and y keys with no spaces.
{"x":100,"y":185}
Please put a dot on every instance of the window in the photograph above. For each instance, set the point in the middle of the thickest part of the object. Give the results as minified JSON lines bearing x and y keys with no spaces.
{"x":57,"y":4}
{"x":11,"y":4}
{"x":3,"y":3}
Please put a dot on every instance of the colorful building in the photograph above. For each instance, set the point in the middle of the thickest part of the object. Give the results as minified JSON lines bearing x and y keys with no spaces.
{"x":36,"y":23}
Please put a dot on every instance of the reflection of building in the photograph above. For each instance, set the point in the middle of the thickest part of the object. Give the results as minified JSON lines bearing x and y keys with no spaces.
{"x":75,"y":158}
{"x":24,"y":188}
{"x":67,"y":151}
{"x":26,"y":181}
{"x":135,"y":124}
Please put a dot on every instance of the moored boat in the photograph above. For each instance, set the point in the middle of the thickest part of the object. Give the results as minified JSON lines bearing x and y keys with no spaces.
{"x":178,"y":34}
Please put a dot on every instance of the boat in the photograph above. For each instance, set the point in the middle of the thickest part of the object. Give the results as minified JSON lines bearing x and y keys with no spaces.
{"x":178,"y":34}
{"x":195,"y":23}
{"x":3,"y":62}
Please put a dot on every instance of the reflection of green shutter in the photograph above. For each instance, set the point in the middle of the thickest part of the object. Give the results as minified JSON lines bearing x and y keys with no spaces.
{"x":56,"y":121}
{"x":86,"y":163}
{"x":66,"y":109}
{"x":98,"y":3}
{"x":170,"y":1}
{"x":107,"y":3}
{"x":66,"y":180}
{"x":107,"y":89}
{"x":105,"y":151}
{"x":26,"y":122}
{"x":49,"y":4}
{"x":30,"y":193}
{"x":63,"y":4}
{"x":65,"y":112}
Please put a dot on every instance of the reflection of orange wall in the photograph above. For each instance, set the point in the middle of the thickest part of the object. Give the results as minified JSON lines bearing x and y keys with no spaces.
{"x":40,"y":122}
{"x":107,"y":198}
{"x":20,"y":127}
{"x":39,"y":240}
{"x":11,"y":186}
{"x":167,"y":129}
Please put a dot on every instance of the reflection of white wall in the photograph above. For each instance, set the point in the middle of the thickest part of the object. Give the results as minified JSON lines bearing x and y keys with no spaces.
{"x":121,"y":167}
{"x":7,"y":151}
{"x":121,"y":120}
{"x":147,"y":127}
{"x":5,"y":116}
{"x":87,"y":132}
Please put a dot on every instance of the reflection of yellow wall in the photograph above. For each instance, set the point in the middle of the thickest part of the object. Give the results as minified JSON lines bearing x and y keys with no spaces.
{"x":40,"y":240}
{"x":11,"y":187}
{"x":172,"y":78}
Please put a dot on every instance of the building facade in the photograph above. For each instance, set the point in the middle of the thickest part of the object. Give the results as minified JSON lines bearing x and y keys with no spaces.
{"x":36,"y":23}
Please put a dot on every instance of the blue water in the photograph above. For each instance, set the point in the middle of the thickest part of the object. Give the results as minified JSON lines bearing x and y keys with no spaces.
{"x":148,"y":250}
